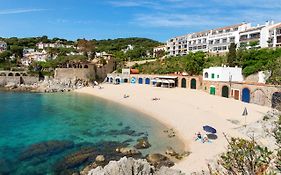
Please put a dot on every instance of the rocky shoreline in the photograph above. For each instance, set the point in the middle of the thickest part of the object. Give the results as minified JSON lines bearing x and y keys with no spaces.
{"x":49,"y":85}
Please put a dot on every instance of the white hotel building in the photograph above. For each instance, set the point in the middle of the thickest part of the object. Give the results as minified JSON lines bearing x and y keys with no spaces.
{"x":217,"y":41}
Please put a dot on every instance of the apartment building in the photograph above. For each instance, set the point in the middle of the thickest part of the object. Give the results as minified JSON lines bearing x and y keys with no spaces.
{"x":218,"y":40}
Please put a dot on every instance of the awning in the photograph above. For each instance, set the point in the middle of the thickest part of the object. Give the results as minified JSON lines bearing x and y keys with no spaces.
{"x":166,"y":81}
{"x":171,"y":81}
{"x":159,"y":81}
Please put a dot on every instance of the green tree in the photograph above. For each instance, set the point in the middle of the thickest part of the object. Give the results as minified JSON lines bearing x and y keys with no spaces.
{"x":231,"y":56}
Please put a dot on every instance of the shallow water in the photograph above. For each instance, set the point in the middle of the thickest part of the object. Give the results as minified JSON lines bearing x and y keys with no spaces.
{"x":27,"y":119}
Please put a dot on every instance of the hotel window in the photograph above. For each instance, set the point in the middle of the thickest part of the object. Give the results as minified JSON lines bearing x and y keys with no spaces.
{"x":235,"y":29}
{"x":204,"y":40}
{"x":224,"y":48}
{"x":218,"y":76}
{"x":199,"y":41}
{"x":220,"y":31}
{"x":204,"y":46}
{"x":215,"y":48}
{"x":217,"y":41}
{"x":232,"y":39}
{"x":190,"y":48}
{"x":224,"y":40}
{"x":213,"y":76}
{"x":219,"y":48}
{"x":189,"y":42}
{"x":211,"y":41}
{"x":199,"y":47}
{"x":228,"y":30}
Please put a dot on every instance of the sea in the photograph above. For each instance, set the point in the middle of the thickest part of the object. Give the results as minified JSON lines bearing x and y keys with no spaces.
{"x":62,"y":133}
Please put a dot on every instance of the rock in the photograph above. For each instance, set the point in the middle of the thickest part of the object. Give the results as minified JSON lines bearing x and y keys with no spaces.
{"x":142,"y":143}
{"x":171,"y":152}
{"x":159,"y":160}
{"x":45,"y":148}
{"x":100,"y":158}
{"x":128,"y":151}
{"x":76,"y":159}
{"x":130,"y":166}
{"x":11,"y":85}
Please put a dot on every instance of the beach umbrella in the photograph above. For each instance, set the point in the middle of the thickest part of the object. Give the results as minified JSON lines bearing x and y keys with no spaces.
{"x":209,"y":129}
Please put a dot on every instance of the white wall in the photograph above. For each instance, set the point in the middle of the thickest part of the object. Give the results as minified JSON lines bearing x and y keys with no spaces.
{"x":223,"y":74}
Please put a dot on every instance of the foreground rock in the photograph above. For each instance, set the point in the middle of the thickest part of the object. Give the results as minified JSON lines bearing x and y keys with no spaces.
{"x":130,"y":166}
{"x":159,"y":160}
{"x":128,"y":151}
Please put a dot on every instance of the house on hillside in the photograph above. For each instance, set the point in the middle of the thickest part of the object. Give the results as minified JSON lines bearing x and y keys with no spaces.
{"x":3,"y":46}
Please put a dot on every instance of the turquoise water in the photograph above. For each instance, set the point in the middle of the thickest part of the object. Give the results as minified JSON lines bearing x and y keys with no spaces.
{"x":71,"y":119}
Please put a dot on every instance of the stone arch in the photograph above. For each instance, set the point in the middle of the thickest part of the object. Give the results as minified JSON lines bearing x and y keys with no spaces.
{"x":2,"y":74}
{"x":10,"y":74}
{"x":276,"y":100}
{"x":140,"y":80}
{"x":225,"y":91}
{"x":17,"y":74}
{"x":147,"y":81}
{"x":258,"y":97}
{"x":193,"y":83}
{"x":86,"y":66}
{"x":183,"y":83}
{"x":24,"y":74}
{"x":246,"y":95}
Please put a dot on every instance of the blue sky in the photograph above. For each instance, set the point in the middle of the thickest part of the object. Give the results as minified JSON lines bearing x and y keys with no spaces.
{"x":103,"y":19}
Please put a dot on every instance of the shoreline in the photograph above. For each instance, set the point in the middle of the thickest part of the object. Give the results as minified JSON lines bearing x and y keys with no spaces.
{"x":188,"y":120}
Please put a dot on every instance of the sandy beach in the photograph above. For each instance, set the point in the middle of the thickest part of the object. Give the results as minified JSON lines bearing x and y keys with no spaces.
{"x":186,"y":111}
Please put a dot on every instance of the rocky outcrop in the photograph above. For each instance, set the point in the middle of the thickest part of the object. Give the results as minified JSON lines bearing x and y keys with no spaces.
{"x":142,"y":143}
{"x":130,"y":166}
{"x":45,"y":148}
{"x":128,"y":151}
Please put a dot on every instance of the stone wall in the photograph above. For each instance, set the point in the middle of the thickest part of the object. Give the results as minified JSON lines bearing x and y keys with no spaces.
{"x":27,"y":80}
{"x":260,"y":94}
{"x":91,"y":72}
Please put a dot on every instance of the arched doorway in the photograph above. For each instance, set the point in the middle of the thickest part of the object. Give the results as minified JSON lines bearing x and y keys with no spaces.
{"x":126,"y":80}
{"x":225,"y":92}
{"x":2,"y":74}
{"x":10,"y":74}
{"x":140,"y":81}
{"x":107,"y":79}
{"x":276,"y":100}
{"x":258,"y":97}
{"x":111,"y":80}
{"x":117,"y":80}
{"x":246,"y":95}
{"x":193,"y":84}
{"x":183,"y":83}
{"x":147,"y":81}
{"x":21,"y":80}
{"x":17,"y":75}
{"x":133,"y":80}
{"x":212,"y":90}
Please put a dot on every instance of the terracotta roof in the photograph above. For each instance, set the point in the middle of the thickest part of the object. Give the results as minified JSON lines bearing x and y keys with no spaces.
{"x":229,"y":27}
{"x":252,"y":29}
{"x":276,"y":26}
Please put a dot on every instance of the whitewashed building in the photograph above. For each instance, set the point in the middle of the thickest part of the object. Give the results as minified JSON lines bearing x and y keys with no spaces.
{"x":218,"y":40}
{"x":158,"y":49}
{"x":3,"y":46}
{"x":223,"y":74}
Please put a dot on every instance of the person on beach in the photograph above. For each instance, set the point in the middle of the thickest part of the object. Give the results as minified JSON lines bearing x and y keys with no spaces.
{"x":198,"y":136}
{"x":205,"y":138}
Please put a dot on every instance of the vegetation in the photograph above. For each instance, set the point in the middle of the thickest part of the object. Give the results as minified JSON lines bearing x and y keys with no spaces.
{"x":251,"y":61}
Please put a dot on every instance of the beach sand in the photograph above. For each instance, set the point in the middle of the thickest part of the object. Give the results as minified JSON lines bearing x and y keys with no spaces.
{"x":186,"y":111}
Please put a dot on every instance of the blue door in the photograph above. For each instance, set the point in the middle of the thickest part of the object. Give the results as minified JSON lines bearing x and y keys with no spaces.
{"x":147,"y":81}
{"x":246,"y":95}
{"x":140,"y":81}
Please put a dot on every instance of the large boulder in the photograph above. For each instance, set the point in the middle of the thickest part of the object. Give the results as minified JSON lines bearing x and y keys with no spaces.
{"x":128,"y":151}
{"x":142,"y":143}
{"x":159,"y":160}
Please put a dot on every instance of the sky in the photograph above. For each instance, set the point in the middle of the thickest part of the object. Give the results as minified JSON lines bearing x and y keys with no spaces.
{"x":109,"y":19}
